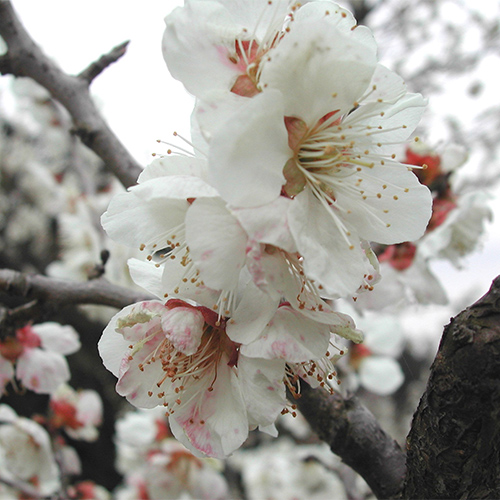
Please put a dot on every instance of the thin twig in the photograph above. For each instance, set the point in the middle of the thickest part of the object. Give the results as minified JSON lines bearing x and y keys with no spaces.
{"x":25,"y":58}
{"x":97,"y":67}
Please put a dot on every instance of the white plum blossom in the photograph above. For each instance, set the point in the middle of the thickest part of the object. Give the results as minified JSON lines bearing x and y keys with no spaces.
{"x":26,"y":456}
{"x":327,"y":144}
{"x":79,"y":413}
{"x":375,"y":361}
{"x":226,"y":41}
{"x":180,"y":356}
{"x":37,"y":352}
{"x":236,"y":261}
{"x":289,"y":471}
{"x":460,"y":233}
{"x":156,"y":466}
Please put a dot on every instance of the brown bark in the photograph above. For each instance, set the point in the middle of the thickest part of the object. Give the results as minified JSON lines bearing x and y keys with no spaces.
{"x":453,"y":445}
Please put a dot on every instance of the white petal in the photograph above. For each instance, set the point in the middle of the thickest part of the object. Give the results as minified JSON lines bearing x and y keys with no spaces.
{"x":58,"y":338}
{"x":147,"y":276}
{"x":254,"y":311}
{"x":290,"y":336}
{"x":258,"y":16}
{"x":198,"y":41}
{"x":263,"y":388}
{"x":333,"y":258}
{"x":134,"y":221}
{"x":113,"y":346}
{"x":174,"y":165}
{"x":249,"y":151}
{"x":42,"y":371}
{"x":388,"y":206}
{"x":223,"y":413}
{"x":216,"y":241}
{"x":341,"y":65}
{"x":215,"y":109}
{"x":386,"y":123}
{"x":268,"y":223}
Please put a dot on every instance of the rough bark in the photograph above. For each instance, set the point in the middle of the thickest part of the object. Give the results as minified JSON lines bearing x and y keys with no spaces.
{"x":353,"y":433}
{"x":454,"y":445}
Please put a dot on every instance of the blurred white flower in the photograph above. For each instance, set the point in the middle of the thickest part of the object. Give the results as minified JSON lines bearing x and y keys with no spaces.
{"x":26,"y":455}
{"x":79,"y":413}
{"x":38,"y":355}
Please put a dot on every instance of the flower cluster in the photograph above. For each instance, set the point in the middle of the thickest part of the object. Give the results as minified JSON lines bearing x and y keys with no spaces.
{"x":155,"y":465}
{"x":248,"y":239}
{"x":459,"y":216}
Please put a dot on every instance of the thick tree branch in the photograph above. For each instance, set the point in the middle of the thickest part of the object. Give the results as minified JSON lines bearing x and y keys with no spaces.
{"x":25,"y":58}
{"x":45,"y":294}
{"x":454,"y":445}
{"x":353,"y":433}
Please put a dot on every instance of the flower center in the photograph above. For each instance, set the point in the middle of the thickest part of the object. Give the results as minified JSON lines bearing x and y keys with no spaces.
{"x":180,"y":371}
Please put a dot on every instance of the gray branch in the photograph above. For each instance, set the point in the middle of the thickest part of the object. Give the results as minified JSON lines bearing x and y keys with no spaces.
{"x":43,"y":295}
{"x":25,"y":58}
{"x":353,"y":433}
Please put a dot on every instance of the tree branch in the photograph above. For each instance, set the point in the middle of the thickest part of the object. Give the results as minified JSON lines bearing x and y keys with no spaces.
{"x":96,"y":68}
{"x":45,"y":295}
{"x":454,"y":445}
{"x":25,"y":58}
{"x":353,"y":433}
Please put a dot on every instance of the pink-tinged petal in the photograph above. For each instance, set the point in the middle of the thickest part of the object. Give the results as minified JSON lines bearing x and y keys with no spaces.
{"x":341,"y":65}
{"x":290,"y":336}
{"x":183,"y":326}
{"x":268,"y":223}
{"x":380,"y":375}
{"x":42,"y":371}
{"x":198,"y":42}
{"x":6,"y":373}
{"x":332,"y":254}
{"x":213,"y":423}
{"x":174,"y":165}
{"x":388,"y":206}
{"x":263,"y":388}
{"x":141,"y":321}
{"x":217,"y":243}
{"x":249,"y":151}
{"x":113,"y":346}
{"x":254,"y":311}
{"x":58,"y":338}
{"x":141,"y":373}
{"x":89,"y":409}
